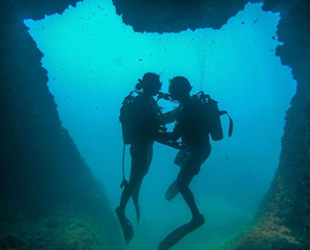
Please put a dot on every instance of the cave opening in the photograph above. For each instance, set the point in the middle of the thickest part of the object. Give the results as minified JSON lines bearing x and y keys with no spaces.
{"x":93,"y":61}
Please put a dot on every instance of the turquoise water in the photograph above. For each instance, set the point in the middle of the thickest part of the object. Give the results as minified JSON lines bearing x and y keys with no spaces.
{"x":94,"y":60}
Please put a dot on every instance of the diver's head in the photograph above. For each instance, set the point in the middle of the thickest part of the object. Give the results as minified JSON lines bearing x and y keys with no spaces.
{"x":179,"y":88}
{"x":150,"y":84}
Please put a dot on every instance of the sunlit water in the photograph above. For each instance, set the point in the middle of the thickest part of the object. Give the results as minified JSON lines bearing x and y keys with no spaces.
{"x":94,"y":60}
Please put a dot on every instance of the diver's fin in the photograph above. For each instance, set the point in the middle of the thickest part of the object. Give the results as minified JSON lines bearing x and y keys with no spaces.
{"x":126,"y":226}
{"x":174,"y":237}
{"x":180,"y":232}
{"x":172,"y":191}
{"x":135,"y":198}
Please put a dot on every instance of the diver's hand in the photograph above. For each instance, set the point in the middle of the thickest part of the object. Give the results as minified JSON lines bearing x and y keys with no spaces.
{"x":170,"y":143}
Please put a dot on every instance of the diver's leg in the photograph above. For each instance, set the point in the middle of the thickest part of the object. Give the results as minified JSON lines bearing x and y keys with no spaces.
{"x":145,"y":161}
{"x":136,"y":176}
{"x":127,"y":193}
{"x":187,"y":195}
{"x":125,"y":198}
{"x":175,"y":236}
{"x":138,"y":163}
{"x":135,"y":199}
{"x":120,"y":211}
{"x":191,"y":167}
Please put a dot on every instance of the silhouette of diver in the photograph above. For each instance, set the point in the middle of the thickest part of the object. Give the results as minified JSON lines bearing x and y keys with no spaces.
{"x":147,"y":121}
{"x":190,"y":127}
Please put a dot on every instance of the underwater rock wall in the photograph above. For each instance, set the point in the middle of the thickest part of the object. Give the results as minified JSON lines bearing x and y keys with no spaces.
{"x":282,"y":220}
{"x":48,"y":197}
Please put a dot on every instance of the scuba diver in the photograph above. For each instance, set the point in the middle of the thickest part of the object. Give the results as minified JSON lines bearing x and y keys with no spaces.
{"x":141,"y":120}
{"x":190,"y":126}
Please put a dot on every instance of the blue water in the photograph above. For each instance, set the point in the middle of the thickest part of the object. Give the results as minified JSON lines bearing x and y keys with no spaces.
{"x":94,"y":60}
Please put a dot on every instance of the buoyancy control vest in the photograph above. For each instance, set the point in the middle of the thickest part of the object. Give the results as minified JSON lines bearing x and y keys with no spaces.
{"x":139,"y":118}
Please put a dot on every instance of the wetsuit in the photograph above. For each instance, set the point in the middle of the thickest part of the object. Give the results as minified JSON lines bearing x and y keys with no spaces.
{"x":147,"y":120}
{"x":191,"y":128}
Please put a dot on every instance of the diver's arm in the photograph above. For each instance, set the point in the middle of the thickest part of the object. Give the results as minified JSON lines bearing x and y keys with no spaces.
{"x":169,"y":139}
{"x":173,"y":144}
{"x":171,"y":116}
{"x":169,"y":136}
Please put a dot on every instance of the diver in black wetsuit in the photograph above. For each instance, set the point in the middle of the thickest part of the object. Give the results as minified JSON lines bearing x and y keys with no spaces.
{"x":147,"y":122}
{"x":190,"y":127}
